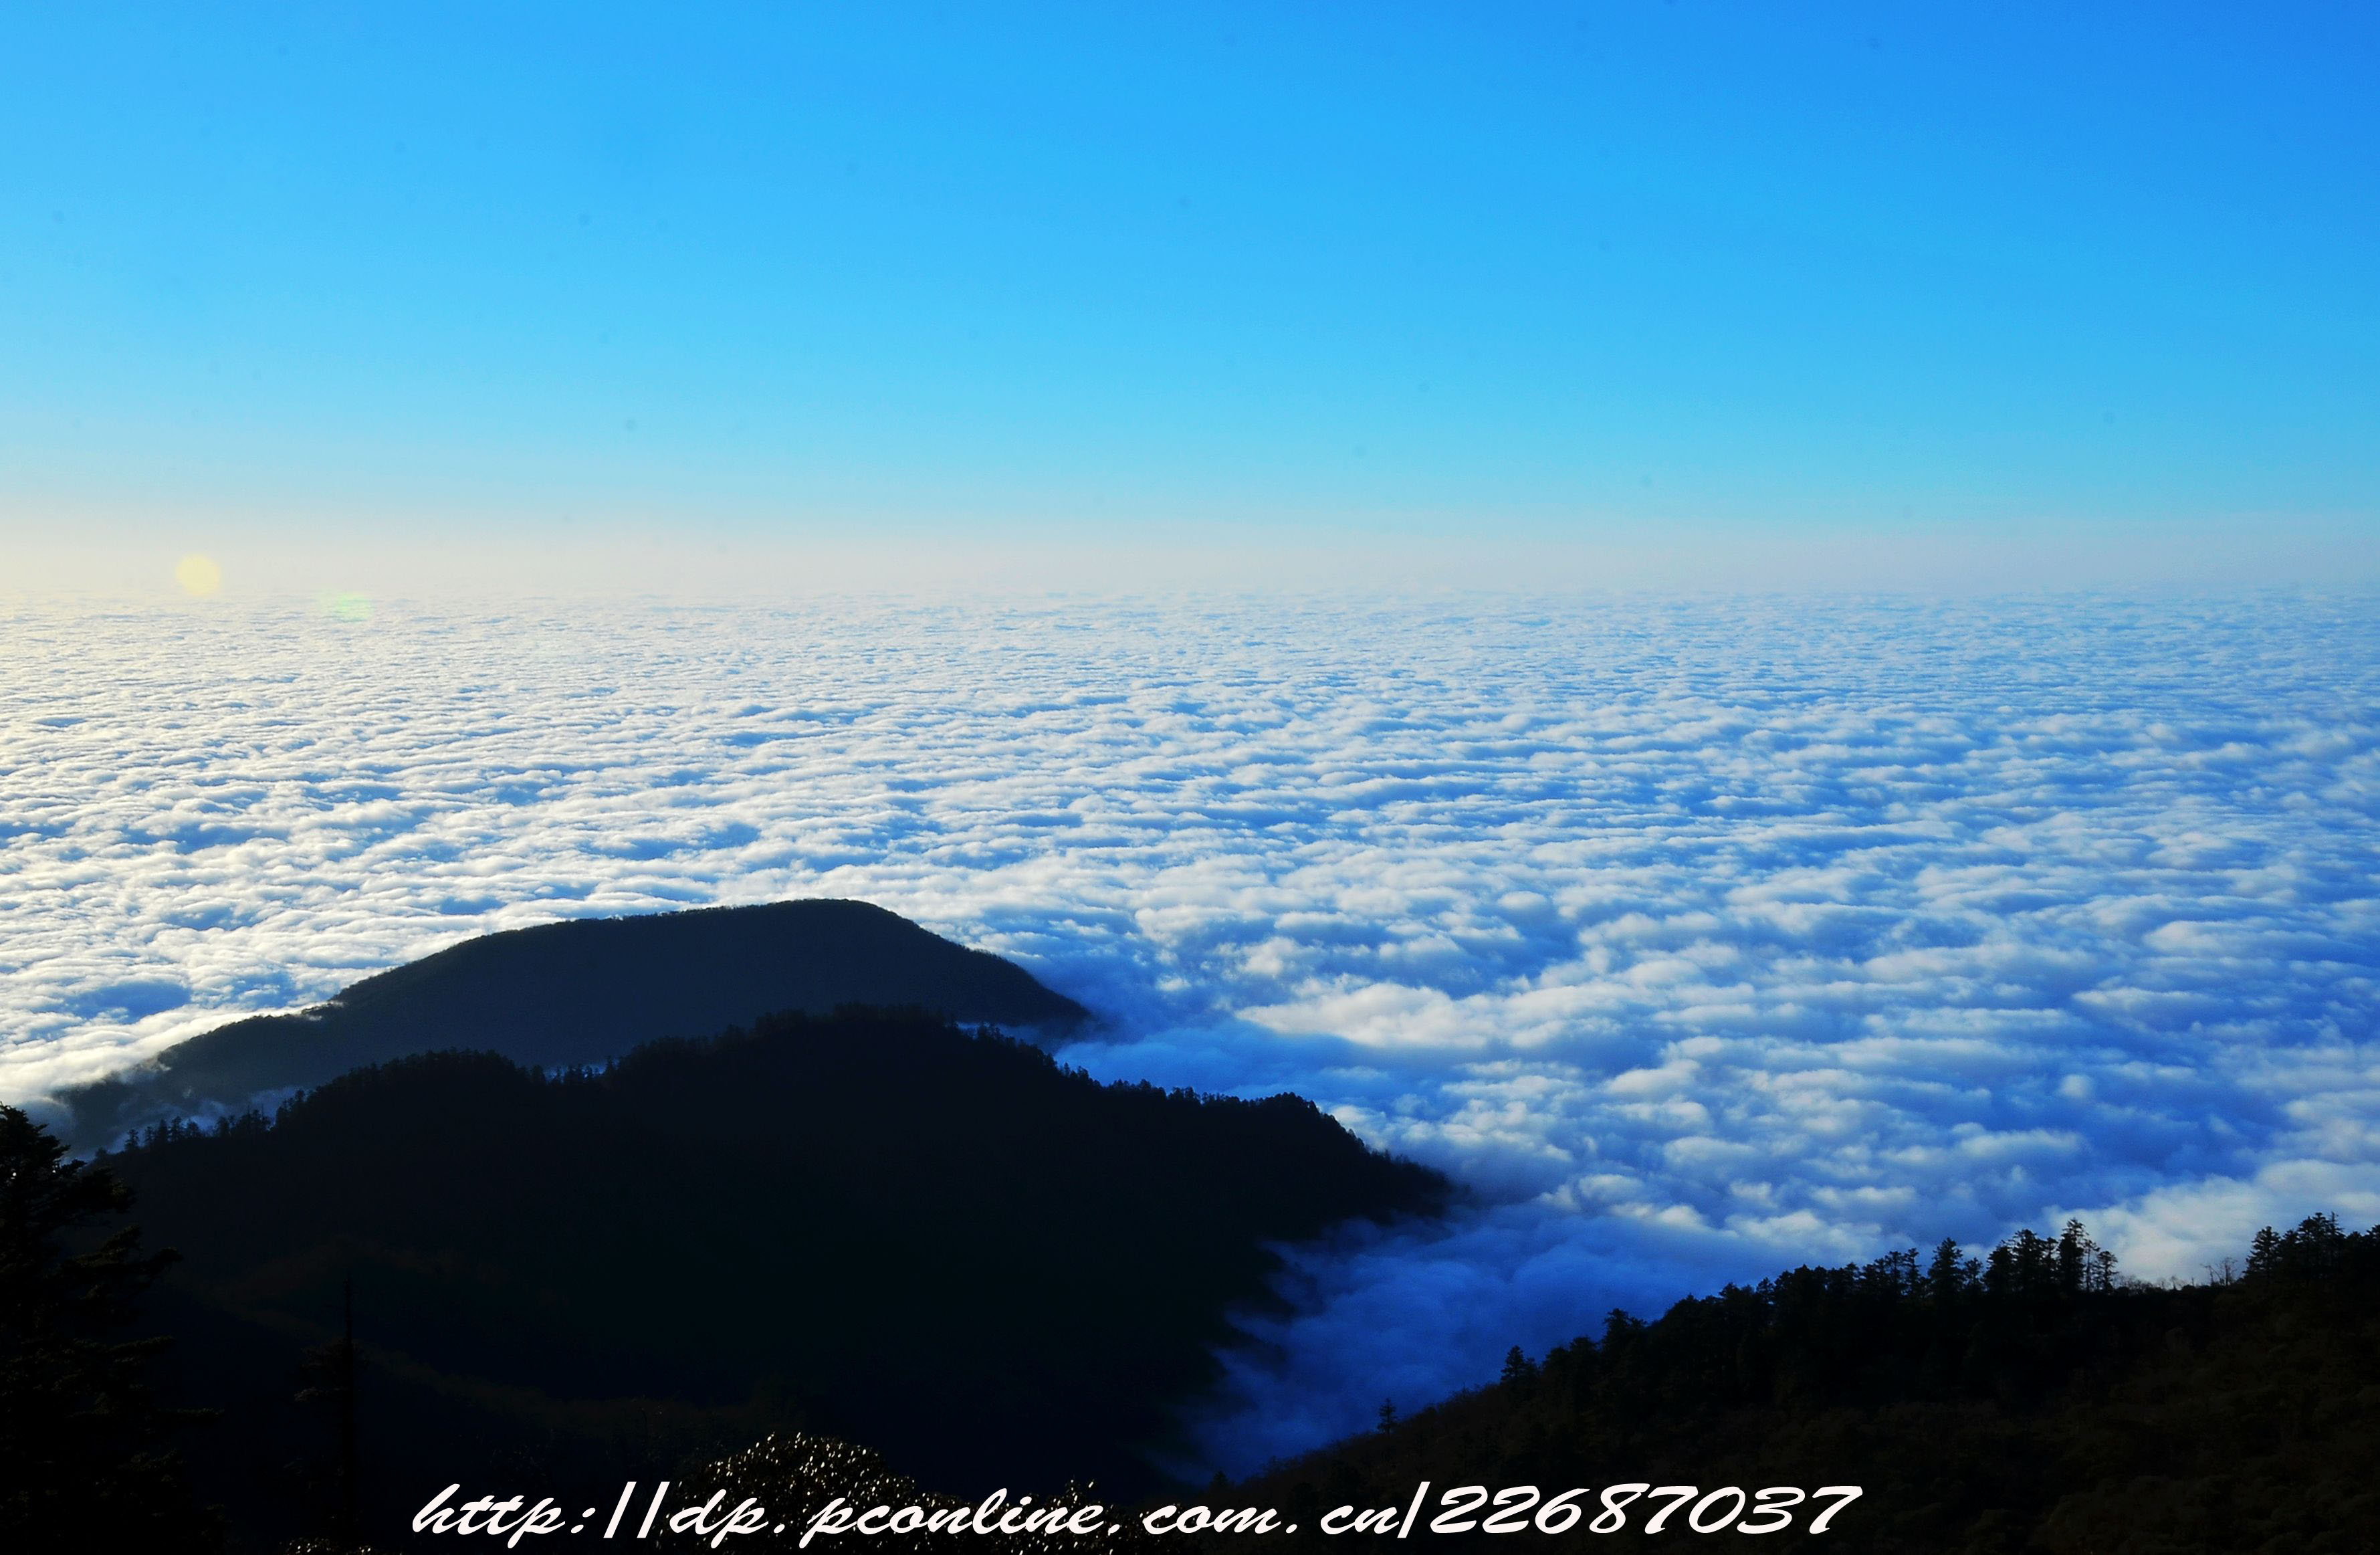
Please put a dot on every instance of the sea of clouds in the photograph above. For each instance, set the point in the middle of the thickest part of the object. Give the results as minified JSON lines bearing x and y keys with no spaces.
{"x":1698,"y":937}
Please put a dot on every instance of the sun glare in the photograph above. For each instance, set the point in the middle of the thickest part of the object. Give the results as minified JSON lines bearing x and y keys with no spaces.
{"x":198,"y":575}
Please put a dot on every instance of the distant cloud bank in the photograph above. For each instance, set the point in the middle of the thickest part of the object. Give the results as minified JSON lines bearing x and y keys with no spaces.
{"x":1699,"y":937}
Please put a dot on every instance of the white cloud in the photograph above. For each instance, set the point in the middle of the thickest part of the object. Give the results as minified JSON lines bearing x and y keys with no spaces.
{"x":1698,"y":936}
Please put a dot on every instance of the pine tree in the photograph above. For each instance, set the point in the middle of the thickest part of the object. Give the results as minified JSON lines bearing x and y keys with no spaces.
{"x":85,"y":1457}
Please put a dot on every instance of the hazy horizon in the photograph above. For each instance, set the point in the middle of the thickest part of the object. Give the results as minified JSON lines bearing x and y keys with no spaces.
{"x":1680,"y":293}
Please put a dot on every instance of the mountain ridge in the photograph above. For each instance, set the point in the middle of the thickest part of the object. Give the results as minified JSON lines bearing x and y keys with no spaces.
{"x":582,"y":991}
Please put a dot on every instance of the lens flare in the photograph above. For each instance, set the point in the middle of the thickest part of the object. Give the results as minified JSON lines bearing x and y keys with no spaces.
{"x":197,"y":575}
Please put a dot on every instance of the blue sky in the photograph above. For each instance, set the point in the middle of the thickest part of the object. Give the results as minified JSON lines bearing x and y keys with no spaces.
{"x":2069,"y":282}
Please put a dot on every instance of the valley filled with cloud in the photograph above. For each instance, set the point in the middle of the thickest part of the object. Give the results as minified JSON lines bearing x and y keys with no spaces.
{"x":1697,"y":936}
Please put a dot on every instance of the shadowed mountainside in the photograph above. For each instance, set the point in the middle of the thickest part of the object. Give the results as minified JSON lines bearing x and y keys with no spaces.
{"x":2026,"y":1400}
{"x":582,"y":992}
{"x":996,"y":1269}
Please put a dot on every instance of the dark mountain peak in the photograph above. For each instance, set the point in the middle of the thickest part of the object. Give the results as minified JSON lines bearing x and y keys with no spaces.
{"x":583,"y":991}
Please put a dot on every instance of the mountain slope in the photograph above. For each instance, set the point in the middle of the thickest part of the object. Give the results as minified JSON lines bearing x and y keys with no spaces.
{"x":997,"y":1270}
{"x":2022,"y":1401}
{"x":581,"y":992}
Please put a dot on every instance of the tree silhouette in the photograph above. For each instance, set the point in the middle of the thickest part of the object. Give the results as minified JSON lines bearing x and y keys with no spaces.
{"x":2027,"y":1399}
{"x":330,"y":1373}
{"x":85,"y":1454}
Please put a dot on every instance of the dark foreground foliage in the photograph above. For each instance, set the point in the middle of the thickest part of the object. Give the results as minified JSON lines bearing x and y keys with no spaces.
{"x":2025,"y":1402}
{"x":875,"y":1224}
{"x":87,"y":1457}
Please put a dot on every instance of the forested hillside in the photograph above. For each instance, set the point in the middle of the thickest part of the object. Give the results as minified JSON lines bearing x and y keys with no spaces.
{"x":992,"y":1268}
{"x":2027,"y":1399}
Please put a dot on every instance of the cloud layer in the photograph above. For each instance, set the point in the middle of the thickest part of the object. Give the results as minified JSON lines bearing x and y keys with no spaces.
{"x":1698,"y":936}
